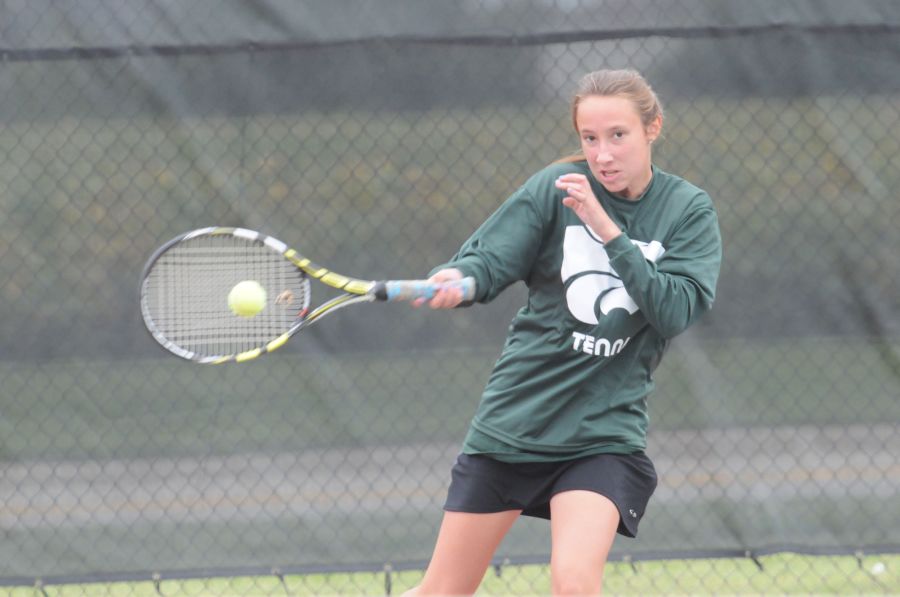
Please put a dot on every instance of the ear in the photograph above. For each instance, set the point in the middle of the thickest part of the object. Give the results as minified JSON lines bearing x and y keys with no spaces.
{"x":654,"y":129}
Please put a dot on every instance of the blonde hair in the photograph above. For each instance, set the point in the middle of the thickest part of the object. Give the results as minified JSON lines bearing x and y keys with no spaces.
{"x":624,"y":83}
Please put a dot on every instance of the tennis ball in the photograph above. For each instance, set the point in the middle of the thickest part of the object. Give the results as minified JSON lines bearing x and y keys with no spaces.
{"x":247,"y":298}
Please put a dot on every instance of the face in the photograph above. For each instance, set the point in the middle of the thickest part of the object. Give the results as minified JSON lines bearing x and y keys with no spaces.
{"x":616,"y":143}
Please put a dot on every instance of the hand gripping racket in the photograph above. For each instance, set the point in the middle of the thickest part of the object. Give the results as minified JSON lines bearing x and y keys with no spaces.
{"x":186,"y":283}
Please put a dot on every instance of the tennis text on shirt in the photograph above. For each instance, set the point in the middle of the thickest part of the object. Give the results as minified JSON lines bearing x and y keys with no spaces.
{"x":594,"y":289}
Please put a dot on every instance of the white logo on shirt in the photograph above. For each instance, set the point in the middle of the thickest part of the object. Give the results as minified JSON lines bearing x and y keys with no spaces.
{"x":593,"y":286}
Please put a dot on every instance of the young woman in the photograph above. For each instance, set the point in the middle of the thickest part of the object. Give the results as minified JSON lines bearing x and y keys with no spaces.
{"x":619,"y":257}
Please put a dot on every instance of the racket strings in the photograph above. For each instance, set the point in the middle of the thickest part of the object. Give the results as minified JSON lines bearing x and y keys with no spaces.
{"x":187,"y":294}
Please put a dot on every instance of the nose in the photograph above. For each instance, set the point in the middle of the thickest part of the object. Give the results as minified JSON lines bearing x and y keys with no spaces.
{"x":603,"y":156}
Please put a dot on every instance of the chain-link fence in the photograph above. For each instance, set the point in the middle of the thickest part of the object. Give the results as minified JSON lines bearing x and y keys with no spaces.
{"x":376,"y":137}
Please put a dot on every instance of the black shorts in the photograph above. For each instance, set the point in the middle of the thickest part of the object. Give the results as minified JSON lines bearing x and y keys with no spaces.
{"x":480,"y":484}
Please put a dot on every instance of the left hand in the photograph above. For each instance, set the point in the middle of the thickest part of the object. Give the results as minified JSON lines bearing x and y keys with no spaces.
{"x":581,"y":200}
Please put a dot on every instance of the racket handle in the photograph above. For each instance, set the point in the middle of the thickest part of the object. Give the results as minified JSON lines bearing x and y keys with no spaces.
{"x":410,"y":290}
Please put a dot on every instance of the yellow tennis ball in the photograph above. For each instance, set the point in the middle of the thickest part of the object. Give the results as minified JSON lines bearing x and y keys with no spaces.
{"x":247,"y":298}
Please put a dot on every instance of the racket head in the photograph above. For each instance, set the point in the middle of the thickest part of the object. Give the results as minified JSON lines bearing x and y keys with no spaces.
{"x":185,"y":286}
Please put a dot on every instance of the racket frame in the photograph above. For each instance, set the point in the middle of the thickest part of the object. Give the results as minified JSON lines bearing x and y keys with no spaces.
{"x":354,"y":290}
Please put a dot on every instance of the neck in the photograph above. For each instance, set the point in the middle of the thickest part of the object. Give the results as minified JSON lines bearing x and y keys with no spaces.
{"x":639,"y":189}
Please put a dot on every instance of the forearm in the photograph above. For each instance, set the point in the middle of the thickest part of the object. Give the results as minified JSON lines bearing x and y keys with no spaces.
{"x":501,"y":251}
{"x":670,"y":300}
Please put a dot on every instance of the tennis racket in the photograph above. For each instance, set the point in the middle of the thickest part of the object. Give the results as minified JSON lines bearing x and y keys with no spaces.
{"x":186,"y":283}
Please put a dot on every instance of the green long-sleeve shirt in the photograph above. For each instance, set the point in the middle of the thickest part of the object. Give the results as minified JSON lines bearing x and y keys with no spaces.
{"x":573,"y":377}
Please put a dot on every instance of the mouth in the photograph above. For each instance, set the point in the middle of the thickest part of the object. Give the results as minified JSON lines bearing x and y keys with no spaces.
{"x":608,"y":174}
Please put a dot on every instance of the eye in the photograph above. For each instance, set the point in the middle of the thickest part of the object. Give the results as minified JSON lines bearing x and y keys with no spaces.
{"x":618,"y":134}
{"x":588,"y":138}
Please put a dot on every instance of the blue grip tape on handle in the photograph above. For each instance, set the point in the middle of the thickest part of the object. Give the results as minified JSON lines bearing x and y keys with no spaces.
{"x":408,"y":290}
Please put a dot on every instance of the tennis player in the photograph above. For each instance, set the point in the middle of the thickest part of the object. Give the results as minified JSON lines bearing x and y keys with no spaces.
{"x":619,"y":257}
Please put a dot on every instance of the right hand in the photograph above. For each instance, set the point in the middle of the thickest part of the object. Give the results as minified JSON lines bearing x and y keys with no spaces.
{"x":581,"y":200}
{"x":447,"y":298}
